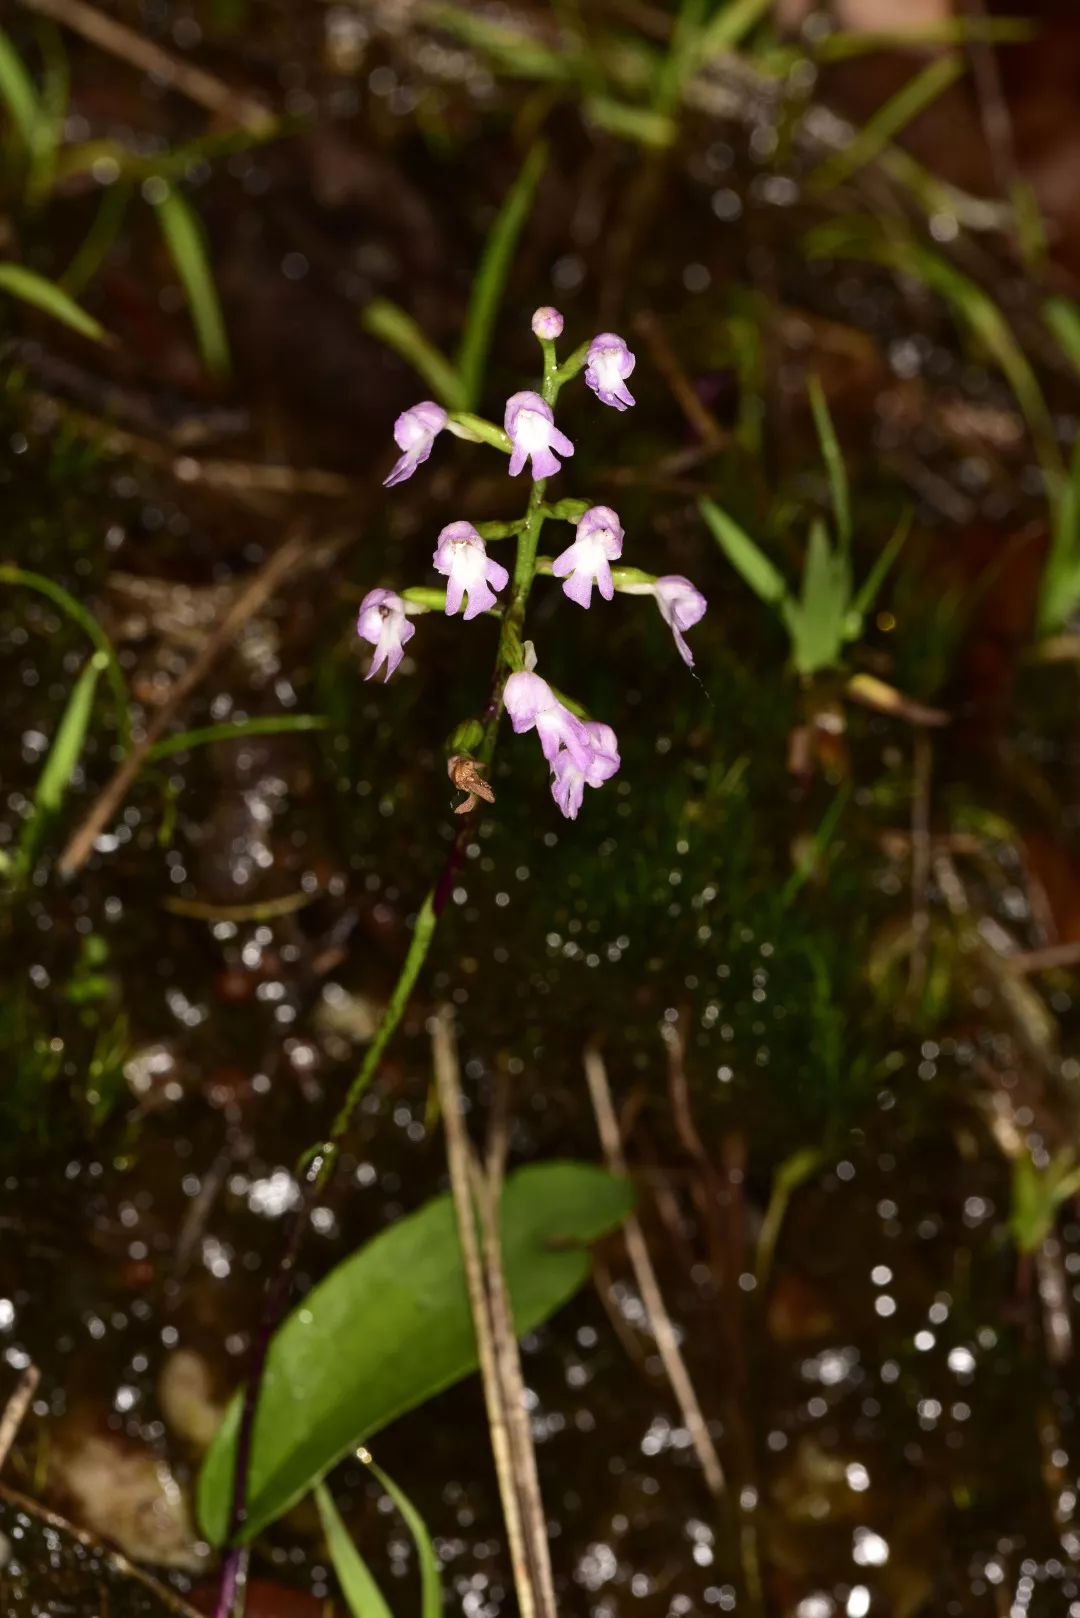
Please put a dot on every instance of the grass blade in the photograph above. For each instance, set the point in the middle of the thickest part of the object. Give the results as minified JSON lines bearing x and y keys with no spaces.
{"x":495,"y":262}
{"x":90,"y":627}
{"x":431,"y":1603}
{"x":1063,"y":318}
{"x":845,"y":44}
{"x":746,"y":558}
{"x":822,"y":838}
{"x":96,"y":244}
{"x":866,"y":597}
{"x":816,"y":621}
{"x":271,"y":725}
{"x":518,"y":53}
{"x":399,"y":331}
{"x":18,"y":93}
{"x":730,"y":26}
{"x":833,"y":458}
{"x":61,"y":762}
{"x":1059,"y":588}
{"x":889,"y":120}
{"x":974,"y":308}
{"x":357,"y":1581}
{"x":186,"y":241}
{"x":29,"y":287}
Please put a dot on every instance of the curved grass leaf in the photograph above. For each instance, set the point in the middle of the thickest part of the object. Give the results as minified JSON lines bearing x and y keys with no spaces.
{"x":34,"y":289}
{"x":868,"y":142}
{"x":61,"y":762}
{"x":745,"y":557}
{"x":390,"y":1327}
{"x":431,"y":1602}
{"x":90,"y":627}
{"x":969,"y":303}
{"x":1063,"y":318}
{"x":833,"y":458}
{"x":186,"y":241}
{"x":495,"y":262}
{"x":358,"y":1584}
{"x":732,"y":22}
{"x":399,"y":331}
{"x":816,"y":622}
{"x":18,"y":92}
{"x":271,"y":725}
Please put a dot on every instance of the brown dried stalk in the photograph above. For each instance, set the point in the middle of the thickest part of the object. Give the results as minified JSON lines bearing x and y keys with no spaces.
{"x":664,"y":1332}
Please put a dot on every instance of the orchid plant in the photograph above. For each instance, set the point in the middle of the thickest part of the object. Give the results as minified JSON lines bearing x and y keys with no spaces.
{"x":580,"y":751}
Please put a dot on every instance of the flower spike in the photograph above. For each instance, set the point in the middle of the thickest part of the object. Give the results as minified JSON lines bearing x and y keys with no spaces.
{"x":382,"y":621}
{"x":414,"y":433}
{"x":461,"y":555}
{"x":598,"y":544}
{"x":607,"y":365}
{"x":530,"y":423}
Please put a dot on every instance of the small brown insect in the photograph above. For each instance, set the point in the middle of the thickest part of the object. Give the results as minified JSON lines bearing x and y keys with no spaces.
{"x":465,"y":774}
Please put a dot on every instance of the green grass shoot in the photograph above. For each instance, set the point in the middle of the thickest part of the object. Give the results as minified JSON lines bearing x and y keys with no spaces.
{"x":31,"y":288}
{"x":399,"y":331}
{"x":186,"y":241}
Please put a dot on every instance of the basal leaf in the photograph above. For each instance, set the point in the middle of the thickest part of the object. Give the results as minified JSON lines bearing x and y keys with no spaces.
{"x":745,"y":557}
{"x":390,"y":1327}
{"x":358,"y":1583}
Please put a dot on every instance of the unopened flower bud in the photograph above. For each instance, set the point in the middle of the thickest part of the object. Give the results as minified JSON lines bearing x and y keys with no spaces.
{"x":547,"y":323}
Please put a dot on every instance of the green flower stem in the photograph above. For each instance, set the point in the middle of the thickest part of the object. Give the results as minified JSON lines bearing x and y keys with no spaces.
{"x":316,"y":1168}
{"x":570,"y":368}
{"x":478,"y":430}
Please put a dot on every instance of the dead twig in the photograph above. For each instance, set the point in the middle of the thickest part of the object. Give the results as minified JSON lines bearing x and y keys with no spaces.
{"x":921,"y":853}
{"x":458,"y":1152}
{"x":1028,"y":961}
{"x":124,"y":43}
{"x":667,"y":1342}
{"x":296,"y":554}
{"x":16,"y":1408}
{"x":697,"y":414}
{"x":113,"y":1559}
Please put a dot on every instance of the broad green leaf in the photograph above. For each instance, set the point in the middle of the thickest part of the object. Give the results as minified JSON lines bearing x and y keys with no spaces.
{"x":358,"y":1584}
{"x":32,"y":288}
{"x":431,"y":1602}
{"x":745,"y":557}
{"x":490,"y":280}
{"x":390,"y":1327}
{"x":816,"y":622}
{"x":889,"y":120}
{"x":186,"y":241}
{"x":399,"y":331}
{"x":62,"y":759}
{"x":834,"y":460}
{"x":18,"y":92}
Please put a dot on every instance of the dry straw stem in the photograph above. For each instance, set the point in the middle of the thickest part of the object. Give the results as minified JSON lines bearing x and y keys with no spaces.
{"x":16,"y":1408}
{"x":125,"y":44}
{"x":297,"y":554}
{"x":459,"y":1154}
{"x":659,"y":1319}
{"x":167,"y":1598}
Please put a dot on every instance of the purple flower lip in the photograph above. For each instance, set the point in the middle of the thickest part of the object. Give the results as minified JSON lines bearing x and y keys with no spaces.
{"x":530,"y":422}
{"x":414,"y":433}
{"x":530,"y":702}
{"x":382,"y":621}
{"x":682,"y":606}
{"x":461,"y":555}
{"x":547,"y":322}
{"x":569,"y":781}
{"x":607,"y":365}
{"x":588,"y":560}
